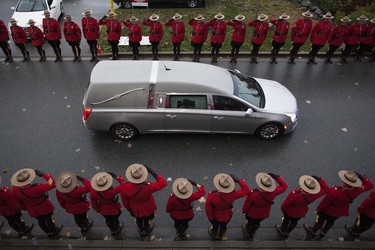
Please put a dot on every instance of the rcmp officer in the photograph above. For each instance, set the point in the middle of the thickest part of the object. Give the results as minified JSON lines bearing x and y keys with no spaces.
{"x":135,"y":35}
{"x":372,"y":37}
{"x":296,"y":205}
{"x":353,"y":37}
{"x":19,"y":38}
{"x":37,"y":39}
{"x":137,"y":196}
{"x":219,"y":203}
{"x":72,"y":197}
{"x":114,"y":30}
{"x":219,"y":32}
{"x":336,"y":37}
{"x":91,"y":32}
{"x":365,"y":40}
{"x":319,"y":36}
{"x":156,"y":33}
{"x":180,"y":204}
{"x":178,"y":34}
{"x":72,"y":34}
{"x":198,"y":36}
{"x":365,"y":216}
{"x":104,"y":199}
{"x":259,"y":35}
{"x":10,"y":209}
{"x":4,"y":38}
{"x":52,"y":32}
{"x":238,"y":35}
{"x":336,"y":203}
{"x":257,"y":205}
{"x":300,"y":33}
{"x":279,"y":35}
{"x":34,"y":198}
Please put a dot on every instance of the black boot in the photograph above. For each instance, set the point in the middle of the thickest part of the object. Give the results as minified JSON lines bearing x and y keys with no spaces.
{"x":282,"y":230}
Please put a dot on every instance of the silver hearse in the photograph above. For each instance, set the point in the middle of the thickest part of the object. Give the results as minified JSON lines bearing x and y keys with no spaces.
{"x":128,"y":98}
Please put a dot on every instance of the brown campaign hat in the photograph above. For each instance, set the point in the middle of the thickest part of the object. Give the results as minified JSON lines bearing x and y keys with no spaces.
{"x":309,"y":184}
{"x":31,"y":21}
{"x":307,"y":14}
{"x":265,"y":182}
{"x":284,"y":16}
{"x":66,"y":17}
{"x":87,"y":12}
{"x":262,"y":17}
{"x":101,"y":181}
{"x":66,"y":181}
{"x":182,"y":188}
{"x":372,"y":20}
{"x":345,"y":19}
{"x":12,"y":20}
{"x":46,"y":12}
{"x":350,"y":178}
{"x":199,"y":18}
{"x":362,"y":18}
{"x":23,"y":177}
{"x":224,"y":183}
{"x":219,"y":16}
{"x":154,"y":17}
{"x":133,"y":19}
{"x":136,"y":173}
{"x":177,"y":16}
{"x":328,"y":15}
{"x":239,"y":17}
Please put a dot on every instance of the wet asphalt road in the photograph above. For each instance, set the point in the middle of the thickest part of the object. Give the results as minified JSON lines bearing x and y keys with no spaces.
{"x":41,"y":127}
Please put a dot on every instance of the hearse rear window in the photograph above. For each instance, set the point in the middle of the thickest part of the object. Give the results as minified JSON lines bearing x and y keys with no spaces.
{"x":188,"y":102}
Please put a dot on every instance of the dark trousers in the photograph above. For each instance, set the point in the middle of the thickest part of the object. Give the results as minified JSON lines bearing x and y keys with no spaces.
{"x":82,"y":220}
{"x":93,"y":47}
{"x":23,"y":49}
{"x":181,"y":226}
{"x":314,"y":50}
{"x":75,"y":48}
{"x":47,"y":223}
{"x":113,"y":222}
{"x":135,"y":49}
{"x":362,"y":223}
{"x":276,"y":48}
{"x":288,"y":224}
{"x":144,"y":224}
{"x":252,"y":225}
{"x":6,"y":48}
{"x":362,"y":48}
{"x":331,"y":50}
{"x":17,"y":222}
{"x":294,"y":50}
{"x":197,"y":50}
{"x":348,"y":48}
{"x":218,"y":229}
{"x":176,"y":50}
{"x":41,"y":51}
{"x":114,"y":48}
{"x":324,"y":222}
{"x":155,"y":49}
{"x":55,"y":44}
{"x":255,"y":50}
{"x":215,"y":48}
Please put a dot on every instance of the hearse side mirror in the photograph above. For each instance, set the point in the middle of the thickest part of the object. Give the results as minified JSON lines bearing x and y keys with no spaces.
{"x":13,"y":8}
{"x":249,"y":112}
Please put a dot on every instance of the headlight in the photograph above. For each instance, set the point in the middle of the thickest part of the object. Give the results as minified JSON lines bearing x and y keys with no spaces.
{"x":293,"y":117}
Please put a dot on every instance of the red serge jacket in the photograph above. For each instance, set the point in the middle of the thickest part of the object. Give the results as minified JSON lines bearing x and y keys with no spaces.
{"x":183,"y":209}
{"x":18,"y":34}
{"x":138,"y":198}
{"x":336,"y":202}
{"x":370,"y":36}
{"x":51,"y":29}
{"x":4,"y":35}
{"x":36,"y":36}
{"x":177,"y":29}
{"x":219,"y":30}
{"x":281,"y":30}
{"x":199,"y":32}
{"x":239,"y":32}
{"x":219,"y":205}
{"x":156,"y":30}
{"x":320,"y":33}
{"x":106,"y":202}
{"x":8,"y":203}
{"x":90,"y":28}
{"x":72,"y":32}
{"x":354,"y":34}
{"x":135,"y":31}
{"x":338,"y":35}
{"x":34,"y":197}
{"x":75,"y":202}
{"x":260,"y":31}
{"x":301,"y":30}
{"x":258,"y":203}
{"x":114,"y":29}
{"x":367,"y":206}
{"x":297,"y":202}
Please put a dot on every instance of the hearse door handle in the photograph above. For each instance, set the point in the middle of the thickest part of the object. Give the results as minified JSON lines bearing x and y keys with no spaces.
{"x":171,"y":116}
{"x":218,"y":117}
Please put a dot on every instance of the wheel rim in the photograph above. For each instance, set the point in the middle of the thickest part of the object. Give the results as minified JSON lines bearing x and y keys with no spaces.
{"x":125,"y":132}
{"x":192,"y":3}
{"x":269,"y":131}
{"x":127,"y":4}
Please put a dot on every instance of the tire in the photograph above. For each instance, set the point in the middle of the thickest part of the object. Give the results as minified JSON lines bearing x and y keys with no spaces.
{"x":124,"y":131}
{"x":270,"y":131}
{"x":192,"y":3}
{"x":125,"y":4}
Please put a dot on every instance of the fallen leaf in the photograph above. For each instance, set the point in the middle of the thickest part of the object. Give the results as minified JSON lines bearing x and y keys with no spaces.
{"x":345,"y":130}
{"x":356,"y":83}
{"x":202,"y":200}
{"x":77,"y":150}
{"x":23,"y":110}
{"x":306,"y":141}
{"x":205,"y":177}
{"x":152,"y":237}
{"x":5,"y":170}
{"x":7,"y":232}
{"x":341,"y":239}
{"x":68,"y":234}
{"x":82,"y":170}
{"x":130,"y":145}
{"x":24,"y":237}
{"x":198,"y":208}
{"x":308,"y":101}
{"x":68,"y":106}
{"x":65,"y":97}
{"x":97,"y":167}
{"x":169,"y":179}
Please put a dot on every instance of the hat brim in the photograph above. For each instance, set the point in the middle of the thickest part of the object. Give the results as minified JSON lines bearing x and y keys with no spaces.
{"x":306,"y":188}
{"x":342,"y":173}
{"x":16,"y":183}
{"x":258,"y":180}
{"x":284,"y":18}
{"x":101,"y":188}
{"x":346,"y":20}
{"x":307,"y":15}
{"x":88,"y":13}
{"x":177,"y":193}
{"x":176,"y":17}
{"x":129,"y":176}
{"x":219,"y":187}
{"x":72,"y":185}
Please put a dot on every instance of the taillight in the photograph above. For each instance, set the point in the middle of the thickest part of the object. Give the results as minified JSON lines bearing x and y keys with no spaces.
{"x":86,"y":113}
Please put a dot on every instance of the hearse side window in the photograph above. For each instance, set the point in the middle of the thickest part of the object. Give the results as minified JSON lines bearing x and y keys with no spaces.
{"x":227,"y":103}
{"x":187,"y":102}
